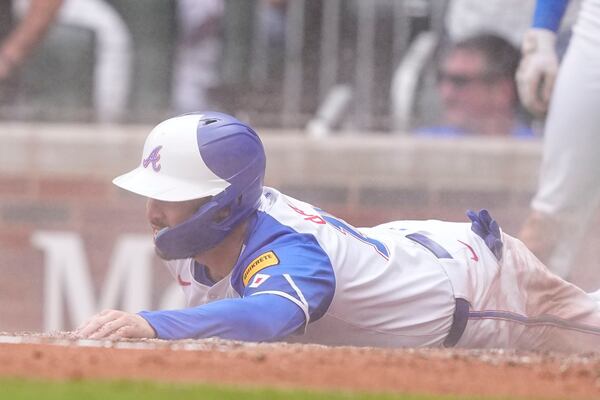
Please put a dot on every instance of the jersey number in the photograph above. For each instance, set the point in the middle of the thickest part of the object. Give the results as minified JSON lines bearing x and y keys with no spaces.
{"x":345,"y":228}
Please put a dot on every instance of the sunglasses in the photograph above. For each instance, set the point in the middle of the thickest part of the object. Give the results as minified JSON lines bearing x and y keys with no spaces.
{"x":463,"y":80}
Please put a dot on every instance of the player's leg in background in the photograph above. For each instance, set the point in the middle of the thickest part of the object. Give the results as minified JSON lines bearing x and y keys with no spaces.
{"x":569,"y":187}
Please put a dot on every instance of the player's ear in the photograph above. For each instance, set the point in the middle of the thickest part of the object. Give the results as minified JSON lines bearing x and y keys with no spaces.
{"x":225,"y":212}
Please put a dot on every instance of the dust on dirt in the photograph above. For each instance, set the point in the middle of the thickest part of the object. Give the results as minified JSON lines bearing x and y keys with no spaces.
{"x":282,"y":365}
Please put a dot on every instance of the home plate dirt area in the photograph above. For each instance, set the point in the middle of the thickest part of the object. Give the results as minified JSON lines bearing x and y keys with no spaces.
{"x":280,"y":365}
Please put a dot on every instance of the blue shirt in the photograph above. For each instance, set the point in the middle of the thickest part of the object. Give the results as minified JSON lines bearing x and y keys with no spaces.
{"x":520,"y":131}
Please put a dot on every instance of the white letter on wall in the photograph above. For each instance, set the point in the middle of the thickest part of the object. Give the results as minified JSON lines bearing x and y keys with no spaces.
{"x":67,"y":269}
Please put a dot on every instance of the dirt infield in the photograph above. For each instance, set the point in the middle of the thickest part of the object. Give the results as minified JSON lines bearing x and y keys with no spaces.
{"x":433,"y":371}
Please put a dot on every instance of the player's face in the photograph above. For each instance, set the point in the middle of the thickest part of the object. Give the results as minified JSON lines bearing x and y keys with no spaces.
{"x":164,"y":214}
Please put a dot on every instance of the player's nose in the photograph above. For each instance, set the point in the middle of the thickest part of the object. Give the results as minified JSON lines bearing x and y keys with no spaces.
{"x":154,"y":212}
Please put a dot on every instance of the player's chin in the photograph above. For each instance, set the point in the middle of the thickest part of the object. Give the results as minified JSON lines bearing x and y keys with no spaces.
{"x":155,"y":231}
{"x":159,"y":254}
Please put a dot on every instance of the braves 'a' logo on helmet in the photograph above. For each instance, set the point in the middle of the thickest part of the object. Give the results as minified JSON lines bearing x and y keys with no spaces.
{"x":209,"y":154}
{"x":154,"y":159}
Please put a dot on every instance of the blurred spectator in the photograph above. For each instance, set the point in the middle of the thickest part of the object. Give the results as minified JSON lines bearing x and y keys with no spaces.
{"x":271,"y":32}
{"x":272,"y":20}
{"x":198,"y":52}
{"x":460,"y":20}
{"x":477,"y":89}
{"x":112,"y":67}
{"x":112,"y":50}
{"x":17,"y":40}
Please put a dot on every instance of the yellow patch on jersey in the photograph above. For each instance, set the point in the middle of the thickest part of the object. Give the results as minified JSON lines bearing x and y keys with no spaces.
{"x":261,"y":262}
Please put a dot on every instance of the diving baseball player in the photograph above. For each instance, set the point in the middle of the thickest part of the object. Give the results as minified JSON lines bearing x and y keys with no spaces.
{"x":258,"y":265}
{"x":569,"y":185}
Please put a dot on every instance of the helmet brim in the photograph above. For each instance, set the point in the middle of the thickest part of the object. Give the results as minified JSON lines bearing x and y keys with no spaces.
{"x":167,"y":188}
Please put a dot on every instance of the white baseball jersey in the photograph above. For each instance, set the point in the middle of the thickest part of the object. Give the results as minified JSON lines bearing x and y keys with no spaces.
{"x":304,"y":275}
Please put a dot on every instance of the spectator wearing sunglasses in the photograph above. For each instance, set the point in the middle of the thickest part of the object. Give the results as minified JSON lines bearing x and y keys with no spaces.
{"x":477,"y":90}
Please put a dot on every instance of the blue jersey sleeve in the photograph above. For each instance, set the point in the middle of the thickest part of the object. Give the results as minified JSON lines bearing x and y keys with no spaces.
{"x":254,"y":318}
{"x":285,"y":281}
{"x":549,"y":13}
{"x":295,"y":268}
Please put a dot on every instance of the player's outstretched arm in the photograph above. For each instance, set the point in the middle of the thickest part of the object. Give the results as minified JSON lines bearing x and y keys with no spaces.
{"x":257,"y":318}
{"x":114,"y":324}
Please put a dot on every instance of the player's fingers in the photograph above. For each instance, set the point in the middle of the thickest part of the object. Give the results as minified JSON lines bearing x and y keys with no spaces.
{"x":522,"y":81}
{"x":91,"y":319}
{"x":532,"y":100}
{"x":78,"y":330}
{"x":528,"y":82}
{"x":119,"y":333}
{"x":548,"y":86}
{"x":134,"y":326}
{"x":88,"y":327}
{"x":95,"y":323}
{"x":126,"y":331}
{"x":108,"y":328}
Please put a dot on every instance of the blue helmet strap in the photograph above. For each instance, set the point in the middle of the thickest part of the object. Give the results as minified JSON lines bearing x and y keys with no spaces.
{"x":204,"y":229}
{"x":192,"y":236}
{"x":233,"y":152}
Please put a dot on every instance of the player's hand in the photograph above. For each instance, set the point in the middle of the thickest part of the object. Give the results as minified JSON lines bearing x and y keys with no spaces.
{"x":537,"y":71}
{"x":114,"y":324}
